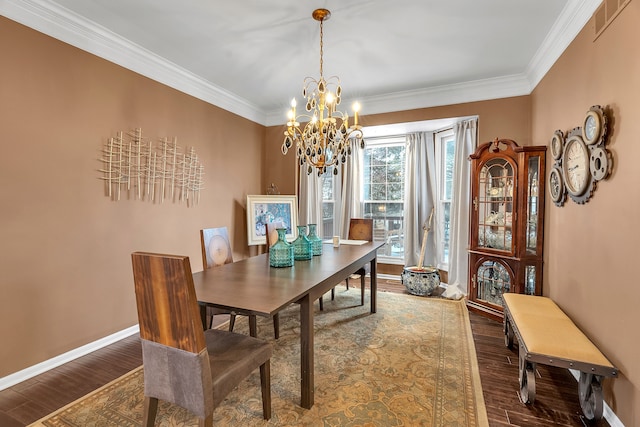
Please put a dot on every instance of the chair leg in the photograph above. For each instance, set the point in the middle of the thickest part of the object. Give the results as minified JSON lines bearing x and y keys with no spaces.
{"x":150,"y":411}
{"x":265,"y":386}
{"x":362,"y":289}
{"x":232,"y":321}
{"x":276,"y":325}
{"x":347,"y":281}
{"x":321,"y":306}
{"x":333,"y":294}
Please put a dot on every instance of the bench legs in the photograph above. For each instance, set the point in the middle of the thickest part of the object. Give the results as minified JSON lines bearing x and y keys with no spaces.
{"x":508,"y":334}
{"x":527,"y":378}
{"x":590,"y":391}
{"x":589,"y":385}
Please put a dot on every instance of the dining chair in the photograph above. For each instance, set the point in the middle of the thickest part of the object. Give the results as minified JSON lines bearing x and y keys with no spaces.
{"x":184,"y":364}
{"x":361,"y":229}
{"x":272,"y":238}
{"x":216,"y":251}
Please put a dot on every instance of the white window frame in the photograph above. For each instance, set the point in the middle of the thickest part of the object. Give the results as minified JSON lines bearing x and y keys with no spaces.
{"x":336,"y":182}
{"x":441,"y":137}
{"x":387,"y":141}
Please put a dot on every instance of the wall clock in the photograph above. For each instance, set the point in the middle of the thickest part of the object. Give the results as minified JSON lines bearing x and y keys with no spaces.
{"x":575,"y":168}
{"x":557,"y":141}
{"x":556,"y":186}
{"x":594,"y":127}
{"x":580,"y":159}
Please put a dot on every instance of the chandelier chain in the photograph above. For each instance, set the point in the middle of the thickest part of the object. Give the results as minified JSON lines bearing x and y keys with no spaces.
{"x":321,"y":49}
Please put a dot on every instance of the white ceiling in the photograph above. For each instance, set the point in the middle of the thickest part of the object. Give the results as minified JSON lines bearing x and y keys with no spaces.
{"x":250,"y":57}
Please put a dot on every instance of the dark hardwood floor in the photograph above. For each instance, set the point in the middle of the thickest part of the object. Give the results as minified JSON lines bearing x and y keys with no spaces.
{"x":556,"y":390}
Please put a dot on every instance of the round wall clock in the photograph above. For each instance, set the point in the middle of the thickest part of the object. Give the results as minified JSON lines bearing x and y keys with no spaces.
{"x":556,"y":186}
{"x":594,"y":125}
{"x":557,"y":141}
{"x":575,"y":169}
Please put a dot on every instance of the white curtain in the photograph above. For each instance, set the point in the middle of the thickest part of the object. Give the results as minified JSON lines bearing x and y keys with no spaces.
{"x":466,"y":143}
{"x":310,"y":209}
{"x":351,"y":206}
{"x":419,"y":198}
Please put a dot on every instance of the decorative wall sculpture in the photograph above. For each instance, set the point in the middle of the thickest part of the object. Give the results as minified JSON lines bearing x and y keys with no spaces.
{"x":136,"y":168}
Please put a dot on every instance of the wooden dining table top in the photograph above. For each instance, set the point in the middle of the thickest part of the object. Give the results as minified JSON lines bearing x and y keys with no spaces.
{"x":252,"y":285}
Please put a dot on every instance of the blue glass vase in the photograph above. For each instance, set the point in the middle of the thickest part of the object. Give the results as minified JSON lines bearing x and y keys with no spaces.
{"x":281,"y":253}
{"x":316,"y":242}
{"x":302,"y":245}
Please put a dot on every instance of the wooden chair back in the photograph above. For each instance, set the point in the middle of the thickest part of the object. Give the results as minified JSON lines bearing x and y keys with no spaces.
{"x":216,"y":247}
{"x":168,"y":311}
{"x":361,"y":229}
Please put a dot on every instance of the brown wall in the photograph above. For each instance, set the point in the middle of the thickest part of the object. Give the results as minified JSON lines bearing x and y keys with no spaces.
{"x":65,"y":247}
{"x":590,"y":257}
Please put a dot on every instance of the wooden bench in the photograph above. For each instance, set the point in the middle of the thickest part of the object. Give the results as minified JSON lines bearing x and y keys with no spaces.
{"x":547,"y":335}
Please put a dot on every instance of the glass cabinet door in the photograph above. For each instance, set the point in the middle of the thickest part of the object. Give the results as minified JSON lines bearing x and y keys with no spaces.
{"x":492,"y":280}
{"x":534,"y":192}
{"x":494,"y":205}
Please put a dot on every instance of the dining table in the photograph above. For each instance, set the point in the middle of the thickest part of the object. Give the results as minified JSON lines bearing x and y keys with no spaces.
{"x":252,"y":286}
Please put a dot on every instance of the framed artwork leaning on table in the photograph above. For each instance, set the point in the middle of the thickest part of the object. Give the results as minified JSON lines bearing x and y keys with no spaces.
{"x":262,"y":210}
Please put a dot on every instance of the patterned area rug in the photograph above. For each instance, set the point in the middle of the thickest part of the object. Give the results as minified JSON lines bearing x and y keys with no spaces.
{"x":413,"y":363}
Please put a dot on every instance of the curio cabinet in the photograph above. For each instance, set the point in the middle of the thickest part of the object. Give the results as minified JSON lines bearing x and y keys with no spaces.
{"x":506,"y":223}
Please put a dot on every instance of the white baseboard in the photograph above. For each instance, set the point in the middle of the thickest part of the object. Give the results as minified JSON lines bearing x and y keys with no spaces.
{"x":32,"y":371}
{"x":607,"y":412}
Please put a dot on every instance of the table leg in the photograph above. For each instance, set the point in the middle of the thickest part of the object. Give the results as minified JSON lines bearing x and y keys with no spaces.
{"x":306,"y":352}
{"x":253,"y":326}
{"x":374,"y":284}
{"x":203,"y":315}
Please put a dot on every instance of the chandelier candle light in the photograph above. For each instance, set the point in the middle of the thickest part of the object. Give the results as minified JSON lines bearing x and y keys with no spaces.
{"x":326,"y":139}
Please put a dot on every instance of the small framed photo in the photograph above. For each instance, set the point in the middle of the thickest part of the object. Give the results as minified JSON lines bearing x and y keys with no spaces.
{"x":262,"y":210}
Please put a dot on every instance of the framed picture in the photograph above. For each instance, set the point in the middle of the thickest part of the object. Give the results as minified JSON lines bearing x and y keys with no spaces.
{"x":262,"y":210}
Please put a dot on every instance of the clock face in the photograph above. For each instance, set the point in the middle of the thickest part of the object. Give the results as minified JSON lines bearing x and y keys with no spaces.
{"x":592,"y":128}
{"x":556,"y":144}
{"x":575,"y":164}
{"x":556,"y":186}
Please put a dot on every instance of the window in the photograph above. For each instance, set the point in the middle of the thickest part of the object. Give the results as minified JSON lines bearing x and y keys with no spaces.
{"x":330,"y":198}
{"x":383,"y":182}
{"x":383,"y":193}
{"x":445,"y":156}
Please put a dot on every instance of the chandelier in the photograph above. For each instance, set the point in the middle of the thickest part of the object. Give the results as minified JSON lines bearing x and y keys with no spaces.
{"x":326,"y":138}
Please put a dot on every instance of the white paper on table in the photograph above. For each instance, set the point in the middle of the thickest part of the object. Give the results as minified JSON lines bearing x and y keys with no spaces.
{"x":348,"y":242}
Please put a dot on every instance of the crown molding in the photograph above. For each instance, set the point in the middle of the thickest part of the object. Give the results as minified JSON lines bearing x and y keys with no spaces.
{"x":459,"y":93}
{"x":53,"y":20}
{"x":60,"y":23}
{"x":575,"y":15}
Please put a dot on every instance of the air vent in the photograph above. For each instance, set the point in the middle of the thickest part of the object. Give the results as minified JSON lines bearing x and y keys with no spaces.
{"x":606,"y":13}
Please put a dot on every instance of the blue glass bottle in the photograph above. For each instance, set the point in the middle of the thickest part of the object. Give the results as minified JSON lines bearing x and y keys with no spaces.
{"x":302,"y":245}
{"x":316,"y":242}
{"x":281,"y":253}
